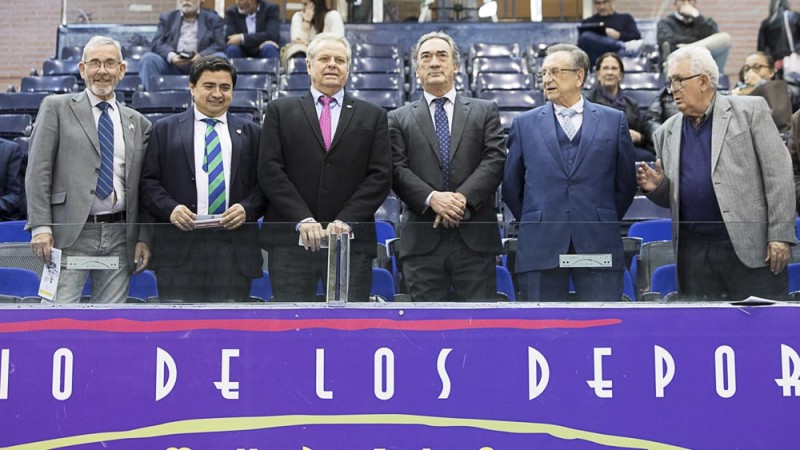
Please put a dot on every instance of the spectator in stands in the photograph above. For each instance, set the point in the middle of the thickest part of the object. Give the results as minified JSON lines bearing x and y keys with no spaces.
{"x":758,"y":78}
{"x":686,"y":26}
{"x":315,"y":18}
{"x":609,"y":71}
{"x":608,"y":31}
{"x":450,"y":238}
{"x":661,"y":109}
{"x":727,"y":177}
{"x":251,"y":27}
{"x":181,"y":38}
{"x":569,"y":180}
{"x":794,"y":142}
{"x":11,"y":181}
{"x":322,"y":177}
{"x":86,"y":156}
{"x":772,"y":37}
{"x":211,"y":197}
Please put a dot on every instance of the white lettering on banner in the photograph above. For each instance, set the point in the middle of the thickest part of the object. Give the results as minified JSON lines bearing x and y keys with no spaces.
{"x":790,"y":370}
{"x":62,"y":378}
{"x":229,"y":389}
{"x":602,"y":388}
{"x":665,"y":369}
{"x":384,"y":378}
{"x":4,"y":374}
{"x":320,"y":384}
{"x":536,"y":384}
{"x":165,"y":361}
{"x":725,"y":370}
{"x":441,"y":368}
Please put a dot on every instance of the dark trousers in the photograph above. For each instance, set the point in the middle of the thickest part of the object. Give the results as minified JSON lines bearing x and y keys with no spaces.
{"x":595,"y":45}
{"x":708,"y":269}
{"x":451,"y":272}
{"x":552,"y":285}
{"x":295,"y":272}
{"x":210,"y":273}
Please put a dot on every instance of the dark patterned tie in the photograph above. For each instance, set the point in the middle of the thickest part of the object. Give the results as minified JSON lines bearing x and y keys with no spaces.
{"x":325,"y":120}
{"x":212,"y":165}
{"x":443,"y":135}
{"x":105,"y":131}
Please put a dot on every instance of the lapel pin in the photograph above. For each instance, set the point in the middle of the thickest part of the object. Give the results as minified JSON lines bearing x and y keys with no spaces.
{"x":238,"y":131}
{"x":349,"y":106}
{"x":130,"y":126}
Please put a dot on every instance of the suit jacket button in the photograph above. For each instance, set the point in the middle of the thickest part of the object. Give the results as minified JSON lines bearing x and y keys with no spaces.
{"x":192,"y":179}
{"x":92,"y":192}
{"x":97,"y":170}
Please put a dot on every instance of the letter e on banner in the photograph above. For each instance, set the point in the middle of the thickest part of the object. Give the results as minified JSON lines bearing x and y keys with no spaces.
{"x":602,"y":388}
{"x":164,"y":361}
{"x":229,"y":389}
{"x":790,"y":371}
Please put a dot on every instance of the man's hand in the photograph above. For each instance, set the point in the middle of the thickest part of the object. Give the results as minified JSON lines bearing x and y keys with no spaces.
{"x":648,"y":178}
{"x":449,"y":208}
{"x":337,"y":227}
{"x":180,"y":61}
{"x":141,"y":257}
{"x":778,"y":255}
{"x":613,"y":34}
{"x":233,"y":217}
{"x":41,"y":245}
{"x":311,"y":235}
{"x":636,"y":137}
{"x":687,"y":10}
{"x":236,"y":39}
{"x":183,"y":218}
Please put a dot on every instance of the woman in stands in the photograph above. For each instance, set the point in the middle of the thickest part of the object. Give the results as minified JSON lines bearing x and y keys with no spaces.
{"x":758,"y":78}
{"x":315,"y":18}
{"x":609,"y":71}
{"x":772,"y":36}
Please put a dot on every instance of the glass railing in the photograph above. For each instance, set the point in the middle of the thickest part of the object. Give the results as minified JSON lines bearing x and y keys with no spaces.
{"x":530,"y":263}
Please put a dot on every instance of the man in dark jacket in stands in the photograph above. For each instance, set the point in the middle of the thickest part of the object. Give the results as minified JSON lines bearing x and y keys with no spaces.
{"x":608,"y":31}
{"x":251,"y":29}
{"x":686,"y":26}
{"x":11,"y":181}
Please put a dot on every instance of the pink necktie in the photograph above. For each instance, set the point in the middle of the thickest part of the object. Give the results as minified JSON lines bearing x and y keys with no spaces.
{"x":325,"y":120}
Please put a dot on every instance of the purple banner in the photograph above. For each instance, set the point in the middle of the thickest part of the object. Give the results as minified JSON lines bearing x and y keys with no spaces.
{"x":392,"y":378}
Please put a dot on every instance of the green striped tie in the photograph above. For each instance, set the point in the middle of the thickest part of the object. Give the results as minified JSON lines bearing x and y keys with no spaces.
{"x":212,"y":165}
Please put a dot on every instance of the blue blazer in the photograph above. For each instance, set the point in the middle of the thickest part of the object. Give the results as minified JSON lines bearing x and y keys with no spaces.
{"x":210,"y":33}
{"x":556,"y":205}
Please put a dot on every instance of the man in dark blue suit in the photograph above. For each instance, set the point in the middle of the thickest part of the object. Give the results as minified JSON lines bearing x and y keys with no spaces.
{"x":11,"y":181}
{"x":252,"y":29}
{"x":200,"y":176}
{"x":183,"y":36}
{"x":569,"y":179}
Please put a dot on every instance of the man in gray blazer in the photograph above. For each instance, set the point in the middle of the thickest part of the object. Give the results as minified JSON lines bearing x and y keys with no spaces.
{"x":727,"y":176}
{"x":85,"y":160}
{"x":448,"y":153}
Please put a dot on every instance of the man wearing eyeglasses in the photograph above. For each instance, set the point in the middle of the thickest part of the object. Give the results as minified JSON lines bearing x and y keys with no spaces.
{"x":86,"y":155}
{"x":686,"y":26}
{"x":569,"y":179}
{"x":608,"y":31}
{"x":724,"y":171}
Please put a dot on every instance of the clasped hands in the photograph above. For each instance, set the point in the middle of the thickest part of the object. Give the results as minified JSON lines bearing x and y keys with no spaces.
{"x":449,"y":207}
{"x":311,"y":232}
{"x":183,"y":218}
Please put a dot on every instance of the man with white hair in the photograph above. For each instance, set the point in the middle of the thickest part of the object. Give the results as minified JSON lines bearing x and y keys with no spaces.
{"x":727,"y":176}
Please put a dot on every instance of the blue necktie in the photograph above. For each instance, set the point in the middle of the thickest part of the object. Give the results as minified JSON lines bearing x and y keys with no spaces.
{"x":443,"y":135}
{"x":105,"y":131}
{"x":212,"y":165}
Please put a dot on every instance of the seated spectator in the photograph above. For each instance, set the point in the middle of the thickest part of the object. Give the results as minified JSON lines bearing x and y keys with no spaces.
{"x":686,"y":26}
{"x":613,"y":32}
{"x":315,"y":18}
{"x":181,"y":38}
{"x":607,"y":92}
{"x":772,"y":37}
{"x":661,"y":109}
{"x":758,"y":78}
{"x":251,"y":28}
{"x":11,"y":181}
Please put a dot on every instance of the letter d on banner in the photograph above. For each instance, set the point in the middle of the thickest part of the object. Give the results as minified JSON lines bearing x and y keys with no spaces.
{"x":536,"y":384}
{"x":164,"y":387}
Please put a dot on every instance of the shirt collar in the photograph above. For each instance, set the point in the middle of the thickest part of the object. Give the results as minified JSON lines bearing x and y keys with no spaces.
{"x":198,"y":116}
{"x":244,"y":13}
{"x":339,"y":96}
{"x":577,"y":107}
{"x":94,"y":100}
{"x":706,"y":115}
{"x":450,"y":95}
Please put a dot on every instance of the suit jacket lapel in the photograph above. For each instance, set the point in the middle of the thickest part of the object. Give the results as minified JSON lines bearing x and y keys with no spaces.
{"x":128,"y":128}
{"x":344,"y":119}
{"x":719,"y":126}
{"x":460,"y":115}
{"x":82,"y":109}
{"x":422,"y":115}
{"x":186,"y":130}
{"x":550,"y":136}
{"x":201,"y":29}
{"x":311,"y":115}
{"x":235,"y":131}
{"x":588,"y":129}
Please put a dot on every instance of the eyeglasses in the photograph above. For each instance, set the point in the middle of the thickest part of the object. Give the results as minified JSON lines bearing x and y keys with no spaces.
{"x":676,"y":84}
{"x":109,"y":64}
{"x":755,"y":67}
{"x":554,"y":72}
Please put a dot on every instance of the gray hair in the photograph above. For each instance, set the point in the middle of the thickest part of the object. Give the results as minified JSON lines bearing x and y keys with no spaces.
{"x":312,"y":47}
{"x":700,"y":61}
{"x":97,"y":41}
{"x":579,"y":57}
{"x":455,"y":54}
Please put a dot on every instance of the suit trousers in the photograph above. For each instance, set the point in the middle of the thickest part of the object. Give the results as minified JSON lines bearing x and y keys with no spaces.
{"x":709,"y":270}
{"x":295,"y":272}
{"x":451,"y":272}
{"x":108,"y":286}
{"x":210,"y":272}
{"x":552,"y":285}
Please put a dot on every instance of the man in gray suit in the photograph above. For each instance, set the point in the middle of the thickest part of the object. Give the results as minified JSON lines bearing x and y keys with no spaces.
{"x":448,"y":153}
{"x":82,"y":182}
{"x":727,"y":176}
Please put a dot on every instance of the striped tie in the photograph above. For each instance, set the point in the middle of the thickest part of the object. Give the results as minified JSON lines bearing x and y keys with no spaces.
{"x":212,"y":165}
{"x":105,"y":131}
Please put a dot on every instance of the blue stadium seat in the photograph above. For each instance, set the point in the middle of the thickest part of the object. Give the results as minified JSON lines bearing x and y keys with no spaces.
{"x":385,"y":99}
{"x":161,"y":102}
{"x":52,"y":67}
{"x":128,"y":85}
{"x":254,"y":82}
{"x":22,"y":102}
{"x":14,"y":231}
{"x":384,"y":231}
{"x":503,"y":81}
{"x":134,"y":52}
{"x":490,"y":50}
{"x":15,"y":125}
{"x":507,"y":116}
{"x":169,"y":83}
{"x":376,"y":51}
{"x":271,"y":67}
{"x":261,"y":288}
{"x":376,"y":65}
{"x":375,"y":81}
{"x":642,"y":97}
{"x":513,"y":100}
{"x":663,"y":280}
{"x":628,"y":289}
{"x":18,"y":282}
{"x":382,"y":284}
{"x":143,"y":285}
{"x":58,"y":83}
{"x":296,"y":65}
{"x":642,"y":80}
{"x":652,"y":230}
{"x":295,"y":82}
{"x":505,"y":284}
{"x":75,"y":52}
